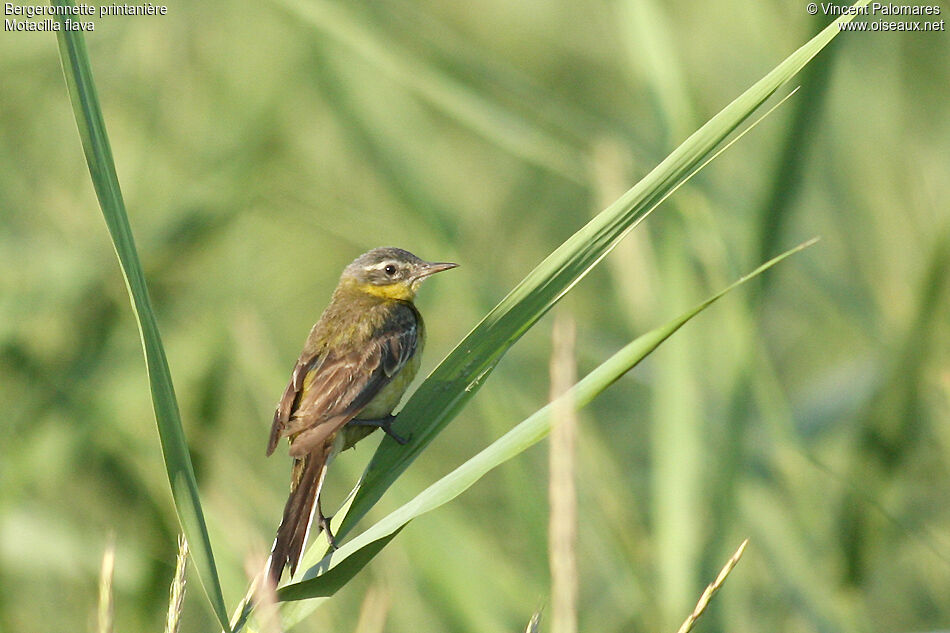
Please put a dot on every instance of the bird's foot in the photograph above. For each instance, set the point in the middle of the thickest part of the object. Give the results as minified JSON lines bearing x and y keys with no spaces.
{"x":324,"y":523}
{"x":386,"y":424}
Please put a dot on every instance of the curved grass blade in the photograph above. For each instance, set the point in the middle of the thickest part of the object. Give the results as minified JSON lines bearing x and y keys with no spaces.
{"x":95,"y":143}
{"x":341,"y":566}
{"x":338,"y":575}
{"x":462,"y":372}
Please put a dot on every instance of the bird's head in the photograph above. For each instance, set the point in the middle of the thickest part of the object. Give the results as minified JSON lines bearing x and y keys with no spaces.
{"x":390,"y":273}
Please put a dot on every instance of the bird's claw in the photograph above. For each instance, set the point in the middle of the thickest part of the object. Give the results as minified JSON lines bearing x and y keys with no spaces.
{"x":386,"y":424}
{"x":324,"y":523}
{"x":387,"y":429}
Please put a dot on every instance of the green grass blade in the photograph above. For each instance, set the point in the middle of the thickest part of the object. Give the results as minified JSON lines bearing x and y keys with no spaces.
{"x":95,"y":143}
{"x":345,"y":562}
{"x":336,"y":577}
{"x":340,"y":22}
{"x":462,"y":372}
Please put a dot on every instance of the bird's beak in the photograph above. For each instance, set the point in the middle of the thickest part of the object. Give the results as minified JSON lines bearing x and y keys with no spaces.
{"x":432,"y":268}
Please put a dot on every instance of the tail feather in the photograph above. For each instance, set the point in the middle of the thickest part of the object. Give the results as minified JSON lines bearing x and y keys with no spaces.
{"x":294,"y":527}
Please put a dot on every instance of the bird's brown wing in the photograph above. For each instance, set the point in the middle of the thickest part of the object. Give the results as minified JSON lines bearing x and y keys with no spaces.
{"x":329,"y":388}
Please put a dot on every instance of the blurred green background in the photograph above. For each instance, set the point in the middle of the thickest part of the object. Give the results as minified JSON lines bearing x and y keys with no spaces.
{"x":262,"y":146}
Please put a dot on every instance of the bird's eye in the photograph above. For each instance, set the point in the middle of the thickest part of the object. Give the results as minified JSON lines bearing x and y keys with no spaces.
{"x":390,"y":270}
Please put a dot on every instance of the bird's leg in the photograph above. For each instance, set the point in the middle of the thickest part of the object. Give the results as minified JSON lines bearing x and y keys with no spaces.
{"x":386,"y":424}
{"x":324,"y":523}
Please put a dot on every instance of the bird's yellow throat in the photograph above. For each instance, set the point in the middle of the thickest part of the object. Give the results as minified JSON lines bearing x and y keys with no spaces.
{"x":397,"y":292}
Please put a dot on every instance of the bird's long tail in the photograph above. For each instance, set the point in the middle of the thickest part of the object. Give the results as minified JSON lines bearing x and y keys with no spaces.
{"x":307,"y":480}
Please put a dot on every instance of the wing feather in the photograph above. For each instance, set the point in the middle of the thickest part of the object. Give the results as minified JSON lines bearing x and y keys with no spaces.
{"x":329,"y":387}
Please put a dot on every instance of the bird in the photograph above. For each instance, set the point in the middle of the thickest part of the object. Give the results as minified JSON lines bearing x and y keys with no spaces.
{"x":355,"y":366}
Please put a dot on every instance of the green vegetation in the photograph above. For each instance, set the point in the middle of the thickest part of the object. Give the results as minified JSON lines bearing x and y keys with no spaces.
{"x":260,"y":148}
